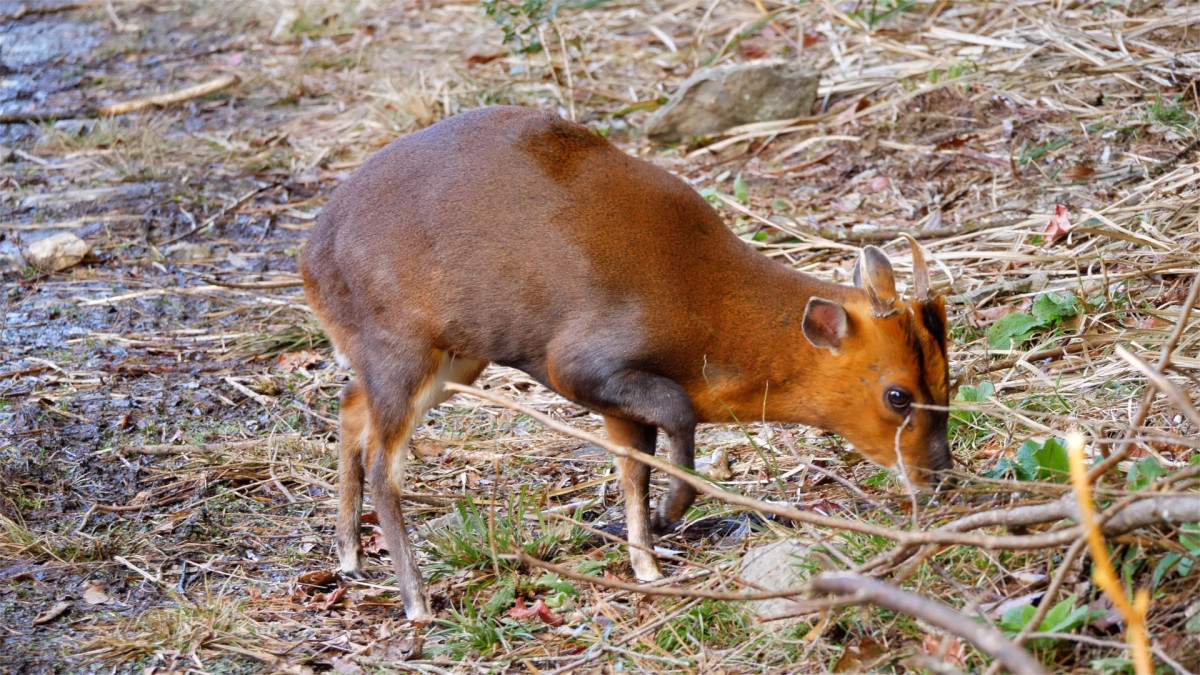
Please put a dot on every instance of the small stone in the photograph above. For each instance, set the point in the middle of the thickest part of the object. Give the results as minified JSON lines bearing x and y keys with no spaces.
{"x":57,"y":252}
{"x":715,"y":99}
{"x":188,"y":252}
{"x":774,"y":568}
{"x":715,"y":466}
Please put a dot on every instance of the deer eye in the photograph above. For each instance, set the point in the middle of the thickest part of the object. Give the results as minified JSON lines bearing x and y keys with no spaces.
{"x":899,"y":399}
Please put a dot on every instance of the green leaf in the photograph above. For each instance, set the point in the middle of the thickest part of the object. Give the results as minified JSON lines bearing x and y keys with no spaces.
{"x":976,"y":394}
{"x":1016,"y":618}
{"x":739,"y":190}
{"x":591,"y":566}
{"x":1193,"y":624}
{"x":1012,"y":328}
{"x":1189,"y":536}
{"x":1113,"y":664}
{"x":1052,"y":462}
{"x":550,"y":580}
{"x":711,"y":195}
{"x":1027,"y":461}
{"x":503,"y":598}
{"x":1053,"y":307}
{"x":1144,"y":472}
{"x":1005,"y":468}
{"x":1160,"y":570}
{"x":1059,"y":613}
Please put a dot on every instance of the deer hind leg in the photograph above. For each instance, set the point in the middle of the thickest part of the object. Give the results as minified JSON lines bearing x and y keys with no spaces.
{"x":401,"y":390}
{"x":354,"y":426}
{"x":635,"y":483}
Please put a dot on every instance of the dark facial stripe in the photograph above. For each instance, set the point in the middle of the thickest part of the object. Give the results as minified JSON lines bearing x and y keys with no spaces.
{"x":934,"y":324}
{"x":914,"y":344}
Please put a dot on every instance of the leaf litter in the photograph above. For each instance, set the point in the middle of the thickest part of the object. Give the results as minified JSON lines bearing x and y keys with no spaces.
{"x":178,"y":411}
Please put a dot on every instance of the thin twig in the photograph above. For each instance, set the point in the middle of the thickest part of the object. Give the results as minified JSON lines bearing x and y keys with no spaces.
{"x":1164,"y":359}
{"x":874,"y":592}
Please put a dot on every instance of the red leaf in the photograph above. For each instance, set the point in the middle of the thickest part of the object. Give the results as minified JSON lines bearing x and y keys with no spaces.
{"x":374,"y":543}
{"x":956,"y":141}
{"x":956,"y":653}
{"x":848,"y":109}
{"x":983,"y":317}
{"x":296,"y":360}
{"x":1059,"y":224}
{"x":480,"y":59}
{"x":539,"y":609}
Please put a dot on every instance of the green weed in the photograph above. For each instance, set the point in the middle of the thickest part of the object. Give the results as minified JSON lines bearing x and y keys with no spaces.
{"x":1062,"y":618}
{"x":1050,"y":311}
{"x":1035,"y":461}
{"x":520,"y":21}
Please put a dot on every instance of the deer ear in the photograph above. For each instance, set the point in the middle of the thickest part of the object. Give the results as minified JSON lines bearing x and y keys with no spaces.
{"x":825,"y":324}
{"x":873,"y":274}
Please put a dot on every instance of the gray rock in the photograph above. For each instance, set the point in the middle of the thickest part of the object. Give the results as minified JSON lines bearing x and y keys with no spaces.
{"x":774,"y":567}
{"x":188,"y":252}
{"x":60,"y":200}
{"x":715,"y":99}
{"x":57,"y":252}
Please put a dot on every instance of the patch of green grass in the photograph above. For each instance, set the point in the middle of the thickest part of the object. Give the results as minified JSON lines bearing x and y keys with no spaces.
{"x":466,"y":632}
{"x":1031,"y":152}
{"x":480,"y":538}
{"x":953,"y":72}
{"x":184,"y":628}
{"x":17,"y":538}
{"x":881,"y":10}
{"x":715,"y":624}
{"x":1171,"y":113}
{"x":293,"y":337}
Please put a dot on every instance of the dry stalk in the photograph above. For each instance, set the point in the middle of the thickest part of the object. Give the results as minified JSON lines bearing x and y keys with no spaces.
{"x":1164,"y":360}
{"x":1102,"y":571}
{"x":185,"y":94}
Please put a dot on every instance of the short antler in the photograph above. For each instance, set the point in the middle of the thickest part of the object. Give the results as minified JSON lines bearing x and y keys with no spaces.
{"x":920,"y":271}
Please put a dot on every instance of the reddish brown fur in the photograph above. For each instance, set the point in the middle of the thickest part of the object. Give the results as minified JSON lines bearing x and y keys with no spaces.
{"x":512,"y":236}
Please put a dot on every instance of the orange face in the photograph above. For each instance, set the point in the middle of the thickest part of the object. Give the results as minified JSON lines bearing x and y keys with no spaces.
{"x":893,"y":368}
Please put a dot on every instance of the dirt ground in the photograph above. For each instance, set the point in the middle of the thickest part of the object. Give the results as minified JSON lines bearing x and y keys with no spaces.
{"x":168,"y":405}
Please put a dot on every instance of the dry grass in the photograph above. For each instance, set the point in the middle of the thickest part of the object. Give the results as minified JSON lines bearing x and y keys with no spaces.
{"x":964,"y":123}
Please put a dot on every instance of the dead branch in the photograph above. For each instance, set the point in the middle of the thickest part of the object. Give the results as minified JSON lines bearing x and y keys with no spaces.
{"x":43,"y":9}
{"x":1050,"y":512}
{"x":865,"y":590}
{"x":679,"y":592}
{"x":177,"y":96}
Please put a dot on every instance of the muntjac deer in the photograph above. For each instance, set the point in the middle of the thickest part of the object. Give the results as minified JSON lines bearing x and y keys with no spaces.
{"x":511,"y":236}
